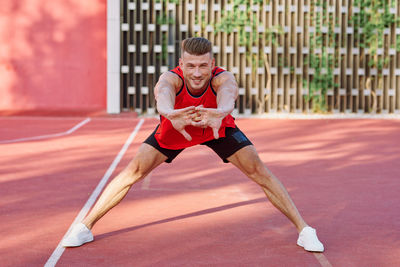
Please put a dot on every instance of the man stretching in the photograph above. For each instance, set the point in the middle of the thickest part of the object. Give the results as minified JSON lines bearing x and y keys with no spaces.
{"x":195,"y":101}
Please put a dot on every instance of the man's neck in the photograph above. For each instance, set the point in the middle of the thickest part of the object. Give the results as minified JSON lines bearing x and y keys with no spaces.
{"x":197,"y":92}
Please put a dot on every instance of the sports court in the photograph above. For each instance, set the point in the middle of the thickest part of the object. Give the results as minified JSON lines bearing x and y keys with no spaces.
{"x":341,"y":173}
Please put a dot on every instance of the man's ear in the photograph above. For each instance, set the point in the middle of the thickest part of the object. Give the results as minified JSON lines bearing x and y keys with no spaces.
{"x":213,"y":63}
{"x":180,"y":62}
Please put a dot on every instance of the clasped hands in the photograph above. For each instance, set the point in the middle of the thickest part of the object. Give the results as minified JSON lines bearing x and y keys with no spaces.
{"x":198,"y":117}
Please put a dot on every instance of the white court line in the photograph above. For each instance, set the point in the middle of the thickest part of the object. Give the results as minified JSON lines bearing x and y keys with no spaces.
{"x":52,"y":261}
{"x":322,"y":260}
{"x":39,"y":137}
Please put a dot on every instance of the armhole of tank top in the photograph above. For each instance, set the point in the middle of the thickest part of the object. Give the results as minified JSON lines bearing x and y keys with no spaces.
{"x":183,"y":83}
{"x":212,"y":89}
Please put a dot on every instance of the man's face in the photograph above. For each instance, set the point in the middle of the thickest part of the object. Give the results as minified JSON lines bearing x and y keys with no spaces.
{"x":196,"y":70}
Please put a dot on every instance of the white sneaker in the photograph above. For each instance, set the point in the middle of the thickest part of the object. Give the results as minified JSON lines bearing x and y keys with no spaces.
{"x":78,"y":236}
{"x":309,"y":241}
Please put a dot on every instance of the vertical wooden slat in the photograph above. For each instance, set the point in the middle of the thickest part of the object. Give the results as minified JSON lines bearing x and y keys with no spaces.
{"x":349,"y":59}
{"x":305,"y":56}
{"x":223,"y":38}
{"x":151,"y":60}
{"x":127,"y":61}
{"x":331,"y":45}
{"x":134,"y":57}
{"x":309,"y":42}
{"x":255,"y":50}
{"x":300,"y":58}
{"x":293,"y":55}
{"x":337,"y":17}
{"x":343,"y":48}
{"x":397,"y":62}
{"x":139,"y":102}
{"x":281,"y":59}
{"x":287,"y":44}
{"x":262,"y":77}
{"x":376,"y":88}
{"x":179,"y":25}
{"x":247,"y":55}
{"x":274,"y":60}
{"x":355,"y":62}
{"x":392,"y":57}
{"x":269,"y":25}
{"x":237,"y":63}
{"x":361,"y":69}
{"x":241,"y":65}
{"x":386,"y":70}
{"x":157,"y":43}
{"x":144,"y":91}
{"x":124,"y":56}
{"x":253,"y":57}
{"x":339,"y":38}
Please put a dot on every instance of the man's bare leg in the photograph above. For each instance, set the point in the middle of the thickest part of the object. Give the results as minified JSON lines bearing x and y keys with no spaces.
{"x":248,"y":161}
{"x":147,"y":158}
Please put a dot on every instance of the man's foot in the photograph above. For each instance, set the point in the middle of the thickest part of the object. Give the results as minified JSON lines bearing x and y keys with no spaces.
{"x":309,"y":241}
{"x":78,"y":236}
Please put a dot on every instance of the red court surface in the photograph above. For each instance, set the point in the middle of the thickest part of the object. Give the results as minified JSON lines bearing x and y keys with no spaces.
{"x":343,"y":176}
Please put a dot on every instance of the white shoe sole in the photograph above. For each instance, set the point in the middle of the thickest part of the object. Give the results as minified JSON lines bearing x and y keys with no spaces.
{"x":309,"y":249}
{"x":85,"y":240}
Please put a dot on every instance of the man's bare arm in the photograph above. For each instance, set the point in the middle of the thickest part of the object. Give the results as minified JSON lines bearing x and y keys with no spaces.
{"x":165,"y":92}
{"x":227,"y":91}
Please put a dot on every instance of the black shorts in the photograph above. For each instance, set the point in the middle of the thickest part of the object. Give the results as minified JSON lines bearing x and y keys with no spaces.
{"x":224,"y":147}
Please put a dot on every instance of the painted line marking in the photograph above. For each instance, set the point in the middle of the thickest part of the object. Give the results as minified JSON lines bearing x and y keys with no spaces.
{"x":322,"y":260}
{"x":57,"y":253}
{"x":39,"y":137}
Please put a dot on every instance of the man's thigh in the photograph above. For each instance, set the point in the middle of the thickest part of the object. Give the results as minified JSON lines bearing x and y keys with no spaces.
{"x":246,"y":159}
{"x":146,"y":159}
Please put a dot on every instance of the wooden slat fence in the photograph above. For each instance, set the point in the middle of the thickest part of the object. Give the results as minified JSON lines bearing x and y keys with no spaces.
{"x":275,"y":62}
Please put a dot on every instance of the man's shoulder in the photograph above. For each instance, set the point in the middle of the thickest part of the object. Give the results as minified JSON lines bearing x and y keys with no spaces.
{"x":217,"y":70}
{"x":222,"y":77}
{"x":220,"y":74}
{"x":172,"y":78}
{"x":177,"y":70}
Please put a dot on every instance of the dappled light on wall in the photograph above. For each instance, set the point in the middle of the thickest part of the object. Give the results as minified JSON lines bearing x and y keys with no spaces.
{"x":53,"y":54}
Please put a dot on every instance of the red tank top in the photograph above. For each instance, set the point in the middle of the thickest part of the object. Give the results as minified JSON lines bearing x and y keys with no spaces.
{"x":170,"y":138}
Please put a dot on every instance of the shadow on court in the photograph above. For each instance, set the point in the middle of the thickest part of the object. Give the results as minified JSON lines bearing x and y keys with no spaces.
{"x":181,"y":217}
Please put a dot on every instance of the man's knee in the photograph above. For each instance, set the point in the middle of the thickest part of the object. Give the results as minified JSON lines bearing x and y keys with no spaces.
{"x":249,"y":162}
{"x":146,"y":159}
{"x":134,"y":172}
{"x":257,"y":171}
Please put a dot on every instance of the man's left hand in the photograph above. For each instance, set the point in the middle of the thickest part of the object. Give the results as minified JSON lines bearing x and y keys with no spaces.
{"x":209,"y":117}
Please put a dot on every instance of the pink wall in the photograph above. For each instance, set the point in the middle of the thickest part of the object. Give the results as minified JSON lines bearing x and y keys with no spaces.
{"x":53,"y":54}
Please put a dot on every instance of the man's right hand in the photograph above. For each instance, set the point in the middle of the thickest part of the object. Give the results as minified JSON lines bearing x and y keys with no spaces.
{"x":182,"y":117}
